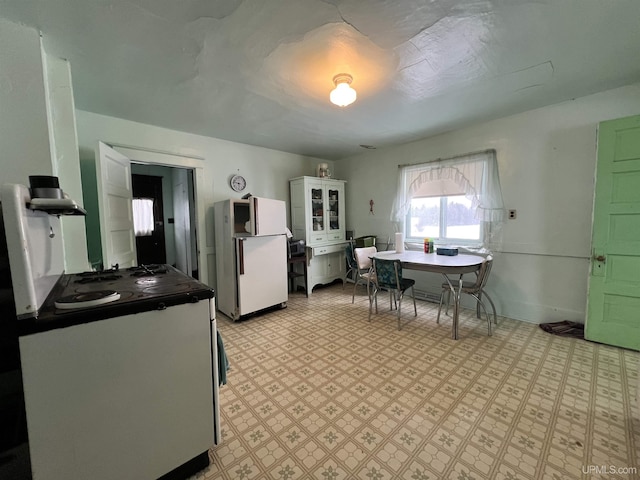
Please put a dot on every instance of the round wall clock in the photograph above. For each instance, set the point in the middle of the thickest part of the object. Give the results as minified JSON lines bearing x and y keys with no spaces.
{"x":238,"y":183}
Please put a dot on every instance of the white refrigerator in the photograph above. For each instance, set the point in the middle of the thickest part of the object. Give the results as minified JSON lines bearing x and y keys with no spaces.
{"x":251,"y":255}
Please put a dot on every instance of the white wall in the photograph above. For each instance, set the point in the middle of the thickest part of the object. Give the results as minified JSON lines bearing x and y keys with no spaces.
{"x":547,"y":164}
{"x":267,"y":171}
{"x":24,"y":133}
{"x":37,"y":129}
{"x":66,"y":166}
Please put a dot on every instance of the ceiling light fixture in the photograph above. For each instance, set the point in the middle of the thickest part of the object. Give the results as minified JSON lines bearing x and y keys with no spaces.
{"x":343,"y":94}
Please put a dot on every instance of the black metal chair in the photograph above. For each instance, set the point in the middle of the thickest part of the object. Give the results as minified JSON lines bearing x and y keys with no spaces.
{"x":352,"y":265}
{"x":388,"y":276}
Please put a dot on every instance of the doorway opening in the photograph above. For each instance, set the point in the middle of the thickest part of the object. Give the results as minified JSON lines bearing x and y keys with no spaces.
{"x":148,"y":219}
{"x":171,"y":238}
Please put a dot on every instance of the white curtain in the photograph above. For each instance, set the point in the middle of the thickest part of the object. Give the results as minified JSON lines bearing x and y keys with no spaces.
{"x":474,"y":175}
{"x":143,"y":216}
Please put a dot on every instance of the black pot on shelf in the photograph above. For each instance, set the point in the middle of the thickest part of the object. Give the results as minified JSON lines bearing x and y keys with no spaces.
{"x":44,"y":186}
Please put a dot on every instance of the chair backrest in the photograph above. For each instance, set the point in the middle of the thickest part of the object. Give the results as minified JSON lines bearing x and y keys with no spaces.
{"x":363,"y":257}
{"x":483,"y":273}
{"x":388,"y":272}
{"x":350,"y":254}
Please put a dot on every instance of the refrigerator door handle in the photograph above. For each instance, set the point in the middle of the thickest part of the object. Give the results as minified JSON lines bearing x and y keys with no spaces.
{"x":241,"y":254}
{"x":253,"y":215}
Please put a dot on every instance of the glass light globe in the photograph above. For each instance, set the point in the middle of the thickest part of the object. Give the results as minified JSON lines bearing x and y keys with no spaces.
{"x":343,"y":94}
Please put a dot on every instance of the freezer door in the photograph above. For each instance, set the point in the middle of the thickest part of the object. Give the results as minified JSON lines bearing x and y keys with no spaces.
{"x":268,"y":216}
{"x":262,"y":272}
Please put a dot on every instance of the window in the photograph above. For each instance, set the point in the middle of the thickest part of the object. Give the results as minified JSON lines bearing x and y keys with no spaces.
{"x":456,"y":200}
{"x":448,"y":217}
{"x":143,"y":217}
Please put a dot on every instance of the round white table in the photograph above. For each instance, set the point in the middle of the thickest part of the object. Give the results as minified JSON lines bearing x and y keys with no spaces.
{"x":443,"y":264}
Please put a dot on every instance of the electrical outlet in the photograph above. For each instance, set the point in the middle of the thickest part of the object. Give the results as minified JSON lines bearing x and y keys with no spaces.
{"x":512,"y":214}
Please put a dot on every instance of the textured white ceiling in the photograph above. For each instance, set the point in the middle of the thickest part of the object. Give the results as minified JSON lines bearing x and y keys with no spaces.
{"x":260,"y":71}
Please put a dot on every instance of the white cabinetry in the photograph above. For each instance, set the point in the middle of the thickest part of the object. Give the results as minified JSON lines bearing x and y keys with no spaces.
{"x":317,"y":216}
{"x":317,"y":210}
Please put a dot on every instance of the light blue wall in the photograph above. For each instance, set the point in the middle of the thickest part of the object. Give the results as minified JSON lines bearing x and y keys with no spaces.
{"x":214,"y":160}
{"x":547,"y":164}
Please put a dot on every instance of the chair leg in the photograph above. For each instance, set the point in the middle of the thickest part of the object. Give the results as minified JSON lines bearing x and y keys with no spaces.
{"x":355,"y":285}
{"x":446,"y":312}
{"x":415,"y":308}
{"x":371,"y":287}
{"x":478,"y":305}
{"x":350,"y":273}
{"x":399,"y":306}
{"x":306,"y":277}
{"x":477,"y":297}
{"x":373,"y":297}
{"x":493,"y":307}
{"x":440,"y":306}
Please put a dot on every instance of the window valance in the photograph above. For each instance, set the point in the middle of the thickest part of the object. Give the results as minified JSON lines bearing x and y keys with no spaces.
{"x":474,"y":175}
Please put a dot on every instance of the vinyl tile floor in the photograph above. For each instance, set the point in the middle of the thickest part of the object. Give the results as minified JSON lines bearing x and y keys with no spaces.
{"x":317,"y":391}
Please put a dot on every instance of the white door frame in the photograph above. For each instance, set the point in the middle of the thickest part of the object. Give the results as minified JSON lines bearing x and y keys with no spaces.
{"x":167,"y":159}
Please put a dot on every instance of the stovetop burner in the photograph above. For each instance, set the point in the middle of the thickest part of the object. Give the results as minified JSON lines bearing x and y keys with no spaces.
{"x":87,"y":299}
{"x":86,"y":278}
{"x":114,"y":273}
{"x":109,"y":271}
{"x":144,"y":270}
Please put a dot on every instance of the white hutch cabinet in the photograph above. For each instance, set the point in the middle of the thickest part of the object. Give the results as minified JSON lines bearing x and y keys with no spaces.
{"x":317,"y":216}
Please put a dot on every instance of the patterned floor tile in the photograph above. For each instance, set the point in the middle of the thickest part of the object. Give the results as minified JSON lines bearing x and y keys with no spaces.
{"x":317,"y":391}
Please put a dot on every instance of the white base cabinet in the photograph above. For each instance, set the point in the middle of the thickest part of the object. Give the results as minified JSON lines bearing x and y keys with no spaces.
{"x":326,"y":264}
{"x":129,"y":397}
{"x":317,"y":216}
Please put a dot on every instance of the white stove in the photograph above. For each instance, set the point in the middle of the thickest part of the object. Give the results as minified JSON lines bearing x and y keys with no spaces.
{"x":90,"y":296}
{"x":120,"y":367}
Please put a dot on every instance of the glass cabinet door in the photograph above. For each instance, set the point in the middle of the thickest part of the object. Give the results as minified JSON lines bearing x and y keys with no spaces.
{"x":317,"y":209}
{"x":334,"y":209}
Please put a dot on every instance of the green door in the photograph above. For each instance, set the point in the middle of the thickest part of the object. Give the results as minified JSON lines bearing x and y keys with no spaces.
{"x":613,"y":313}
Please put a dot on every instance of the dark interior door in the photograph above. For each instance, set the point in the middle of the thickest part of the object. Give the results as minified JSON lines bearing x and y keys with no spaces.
{"x":151,"y":248}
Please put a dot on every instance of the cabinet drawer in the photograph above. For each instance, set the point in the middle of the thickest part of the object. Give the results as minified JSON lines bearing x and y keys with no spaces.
{"x":324,"y":250}
{"x":317,"y":238}
{"x":335,"y":236}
